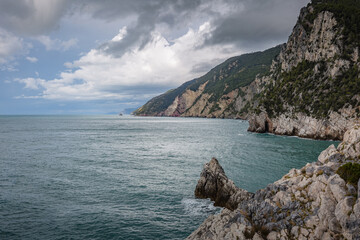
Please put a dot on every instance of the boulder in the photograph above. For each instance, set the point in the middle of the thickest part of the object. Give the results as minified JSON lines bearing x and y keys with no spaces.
{"x":324,"y":155}
{"x":214,"y":184}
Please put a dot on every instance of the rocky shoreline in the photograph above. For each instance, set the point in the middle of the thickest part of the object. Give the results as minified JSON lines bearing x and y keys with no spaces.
{"x":301,"y":125}
{"x":314,"y":202}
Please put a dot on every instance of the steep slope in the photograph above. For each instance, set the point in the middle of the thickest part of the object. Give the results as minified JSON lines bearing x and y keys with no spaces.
{"x":314,"y":87}
{"x":225,"y":91}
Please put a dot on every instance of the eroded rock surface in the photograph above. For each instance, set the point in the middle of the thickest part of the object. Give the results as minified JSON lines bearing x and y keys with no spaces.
{"x":214,"y":184}
{"x":305,"y":126}
{"x":313,"y":202}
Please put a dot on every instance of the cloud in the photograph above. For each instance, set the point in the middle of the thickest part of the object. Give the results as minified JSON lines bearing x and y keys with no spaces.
{"x":149,"y":16}
{"x":139,"y":73}
{"x":10,"y":45}
{"x":258,"y":24}
{"x":32,"y":59}
{"x":57,"y":44}
{"x":249,"y":24}
{"x":31,"y":83}
{"x":31,"y":18}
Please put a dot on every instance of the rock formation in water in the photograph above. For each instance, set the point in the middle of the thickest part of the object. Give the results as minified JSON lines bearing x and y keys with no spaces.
{"x":319,"y":201}
{"x":214,"y":184}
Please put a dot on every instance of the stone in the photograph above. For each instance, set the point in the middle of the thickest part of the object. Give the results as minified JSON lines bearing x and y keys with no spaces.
{"x":324,"y":155}
{"x":214,"y":184}
{"x":257,"y":237}
{"x":295,"y":231}
{"x":353,"y":135}
{"x":337,"y":186}
{"x":272,"y":236}
{"x":304,"y":232}
{"x":344,"y":209}
{"x":334,"y":225}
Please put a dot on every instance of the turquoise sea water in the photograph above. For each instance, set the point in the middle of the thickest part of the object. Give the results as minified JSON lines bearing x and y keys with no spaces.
{"x":111,"y":177}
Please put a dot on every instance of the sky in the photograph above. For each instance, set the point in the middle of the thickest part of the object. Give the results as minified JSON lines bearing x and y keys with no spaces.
{"x":111,"y":56}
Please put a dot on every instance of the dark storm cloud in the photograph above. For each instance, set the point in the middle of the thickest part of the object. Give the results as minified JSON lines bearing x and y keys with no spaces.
{"x":31,"y":17}
{"x":246,"y":23}
{"x":259,"y":22}
{"x":250,"y":24}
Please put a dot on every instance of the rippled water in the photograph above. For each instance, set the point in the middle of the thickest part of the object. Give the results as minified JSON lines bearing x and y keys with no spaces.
{"x":110,"y":177}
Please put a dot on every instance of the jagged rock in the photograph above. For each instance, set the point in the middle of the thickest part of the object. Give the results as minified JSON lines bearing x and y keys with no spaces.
{"x":324,"y":155}
{"x":214,"y":184}
{"x":318,"y":205}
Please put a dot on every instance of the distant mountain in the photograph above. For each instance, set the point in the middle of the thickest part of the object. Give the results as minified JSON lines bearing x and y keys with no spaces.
{"x":224,"y":91}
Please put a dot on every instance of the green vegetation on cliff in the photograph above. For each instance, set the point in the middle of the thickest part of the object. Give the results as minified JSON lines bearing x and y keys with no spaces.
{"x":232,"y":74}
{"x":350,"y":172}
{"x":311,"y":93}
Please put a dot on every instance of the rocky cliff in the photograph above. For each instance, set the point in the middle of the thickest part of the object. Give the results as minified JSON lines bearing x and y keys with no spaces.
{"x":319,"y":201}
{"x":314,"y":89}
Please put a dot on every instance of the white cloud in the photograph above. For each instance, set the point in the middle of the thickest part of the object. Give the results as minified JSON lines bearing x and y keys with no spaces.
{"x":31,"y":83}
{"x":10,"y":45}
{"x":32,"y":59}
{"x":57,"y":44}
{"x":97,"y":75}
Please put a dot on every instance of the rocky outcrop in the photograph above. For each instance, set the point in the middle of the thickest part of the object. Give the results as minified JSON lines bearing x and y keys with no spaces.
{"x":321,"y":43}
{"x":313,"y":202}
{"x":304,"y":126}
{"x":214,"y":184}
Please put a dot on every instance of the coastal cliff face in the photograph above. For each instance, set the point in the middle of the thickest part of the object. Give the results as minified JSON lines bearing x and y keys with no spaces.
{"x":319,"y":201}
{"x":299,"y":124}
{"x":314,"y":89}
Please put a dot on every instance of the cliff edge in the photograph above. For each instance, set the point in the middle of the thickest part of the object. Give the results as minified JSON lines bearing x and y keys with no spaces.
{"x":319,"y":201}
{"x":314,"y":86}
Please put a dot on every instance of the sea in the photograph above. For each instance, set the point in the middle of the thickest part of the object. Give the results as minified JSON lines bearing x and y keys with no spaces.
{"x":126,"y":177}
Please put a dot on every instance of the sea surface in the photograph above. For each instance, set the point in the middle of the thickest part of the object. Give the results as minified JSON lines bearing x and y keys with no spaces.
{"x":112,"y":177}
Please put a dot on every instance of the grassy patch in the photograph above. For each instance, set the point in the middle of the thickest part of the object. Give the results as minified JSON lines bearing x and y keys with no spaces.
{"x":350,"y":172}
